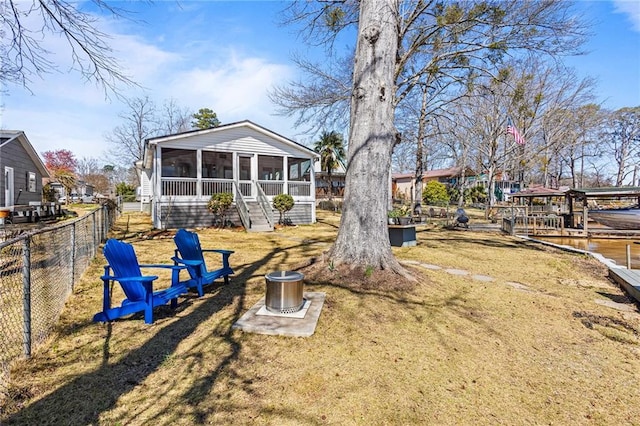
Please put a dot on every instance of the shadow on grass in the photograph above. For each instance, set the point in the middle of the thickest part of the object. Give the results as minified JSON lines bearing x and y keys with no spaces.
{"x":427,"y":238}
{"x":83,"y":399}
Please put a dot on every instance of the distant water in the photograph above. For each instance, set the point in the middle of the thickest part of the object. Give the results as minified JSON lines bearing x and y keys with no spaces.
{"x":614,"y":249}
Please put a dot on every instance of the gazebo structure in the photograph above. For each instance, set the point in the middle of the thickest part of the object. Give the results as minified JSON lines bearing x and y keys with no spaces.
{"x":554,"y":199}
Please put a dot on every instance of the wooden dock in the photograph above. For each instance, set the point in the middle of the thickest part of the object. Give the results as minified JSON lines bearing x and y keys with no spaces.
{"x":553,"y":226}
{"x":629,"y":280}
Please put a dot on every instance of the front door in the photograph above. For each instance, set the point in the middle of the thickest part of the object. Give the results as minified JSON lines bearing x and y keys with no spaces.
{"x":8,"y":186}
{"x":245,"y":176}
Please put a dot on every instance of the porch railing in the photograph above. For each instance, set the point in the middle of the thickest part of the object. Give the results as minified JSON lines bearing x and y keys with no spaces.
{"x":175,"y":187}
{"x":192,"y":187}
{"x":216,"y":186}
{"x":299,"y":189}
{"x":270,"y":188}
{"x":245,"y":189}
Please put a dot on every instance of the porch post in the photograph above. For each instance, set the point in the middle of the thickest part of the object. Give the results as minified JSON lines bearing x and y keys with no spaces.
{"x":156,"y":201}
{"x":199,"y":173}
{"x":312,"y":189}
{"x":285,"y":175}
{"x":236,"y":174}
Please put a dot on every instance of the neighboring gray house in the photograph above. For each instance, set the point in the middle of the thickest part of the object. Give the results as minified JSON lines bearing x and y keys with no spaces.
{"x":180,"y":172}
{"x":22,"y":170}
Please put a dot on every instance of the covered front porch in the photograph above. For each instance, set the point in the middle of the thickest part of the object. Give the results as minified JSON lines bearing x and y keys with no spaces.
{"x":254,"y":165}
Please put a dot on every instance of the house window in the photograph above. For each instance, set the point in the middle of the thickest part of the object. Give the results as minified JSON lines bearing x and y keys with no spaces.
{"x":300,"y":169}
{"x":270,"y":167}
{"x":217,"y":165}
{"x":31,"y":182}
{"x":179,"y":163}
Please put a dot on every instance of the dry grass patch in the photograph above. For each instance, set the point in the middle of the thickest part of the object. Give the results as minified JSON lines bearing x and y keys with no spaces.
{"x":449,"y":350}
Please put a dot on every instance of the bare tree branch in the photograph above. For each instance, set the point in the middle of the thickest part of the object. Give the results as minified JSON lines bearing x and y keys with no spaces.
{"x":25,"y":26}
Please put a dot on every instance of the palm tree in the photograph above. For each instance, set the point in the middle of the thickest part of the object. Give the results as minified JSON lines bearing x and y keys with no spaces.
{"x":331,"y":150}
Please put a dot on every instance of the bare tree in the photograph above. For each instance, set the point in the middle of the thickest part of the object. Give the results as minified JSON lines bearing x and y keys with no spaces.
{"x":623,"y":141}
{"x":90,"y":171}
{"x":139,"y":123}
{"x":86,"y":166}
{"x":577,"y":141}
{"x":321,"y":101}
{"x":392,"y":54}
{"x":437,"y":42}
{"x":174,"y":118}
{"x":23,"y":25}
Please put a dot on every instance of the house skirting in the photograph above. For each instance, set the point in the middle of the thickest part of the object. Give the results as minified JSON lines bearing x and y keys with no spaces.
{"x":176,"y":214}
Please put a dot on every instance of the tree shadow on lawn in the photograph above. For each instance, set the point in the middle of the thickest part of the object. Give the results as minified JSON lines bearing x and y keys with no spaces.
{"x":83,"y":399}
{"x":498,"y":242}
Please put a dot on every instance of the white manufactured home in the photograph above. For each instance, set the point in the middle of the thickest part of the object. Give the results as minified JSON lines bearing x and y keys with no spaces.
{"x":180,"y":172}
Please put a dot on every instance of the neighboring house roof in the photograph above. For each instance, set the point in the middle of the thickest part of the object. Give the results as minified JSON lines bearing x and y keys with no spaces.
{"x":340,"y":170}
{"x":222,"y":128}
{"x":431,"y":174}
{"x":9,"y":136}
{"x":539,"y":191}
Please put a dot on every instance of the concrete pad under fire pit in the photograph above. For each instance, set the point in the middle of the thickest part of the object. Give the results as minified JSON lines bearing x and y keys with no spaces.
{"x":298,"y":324}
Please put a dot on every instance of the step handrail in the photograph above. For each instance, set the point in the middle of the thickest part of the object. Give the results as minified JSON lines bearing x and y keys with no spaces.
{"x":241,"y":205}
{"x":264,"y":205}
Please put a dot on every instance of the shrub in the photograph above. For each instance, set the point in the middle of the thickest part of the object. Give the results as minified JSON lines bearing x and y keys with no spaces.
{"x":477,"y":194}
{"x":126,"y":191}
{"x":283,"y":203}
{"x":435,"y":193}
{"x":48,"y":193}
{"x":219,"y":203}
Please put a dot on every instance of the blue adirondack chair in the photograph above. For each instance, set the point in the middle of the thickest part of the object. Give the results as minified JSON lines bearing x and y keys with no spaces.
{"x":137,"y":288}
{"x":190,"y":253}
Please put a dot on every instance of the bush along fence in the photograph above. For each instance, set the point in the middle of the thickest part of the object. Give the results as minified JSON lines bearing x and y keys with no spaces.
{"x":38,"y":271}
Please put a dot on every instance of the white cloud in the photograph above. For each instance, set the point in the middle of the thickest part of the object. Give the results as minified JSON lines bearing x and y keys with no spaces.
{"x":65,"y":112}
{"x":631,"y":8}
{"x":235,"y":87}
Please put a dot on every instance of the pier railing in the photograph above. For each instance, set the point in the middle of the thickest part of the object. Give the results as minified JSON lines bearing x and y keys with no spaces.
{"x":533,"y":225}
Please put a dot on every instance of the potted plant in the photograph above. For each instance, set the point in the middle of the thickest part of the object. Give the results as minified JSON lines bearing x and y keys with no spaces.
{"x":393,"y":216}
{"x":404,"y":214}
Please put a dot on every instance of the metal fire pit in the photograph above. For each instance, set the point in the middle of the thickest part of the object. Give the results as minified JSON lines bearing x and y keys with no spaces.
{"x":284,"y":292}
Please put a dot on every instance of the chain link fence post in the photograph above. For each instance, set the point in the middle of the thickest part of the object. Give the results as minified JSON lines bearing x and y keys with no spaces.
{"x":73,"y":255}
{"x":26,"y":295}
{"x":94,"y":227}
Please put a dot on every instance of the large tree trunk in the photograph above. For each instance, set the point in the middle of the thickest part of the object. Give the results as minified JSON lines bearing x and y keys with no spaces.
{"x":363,"y":239}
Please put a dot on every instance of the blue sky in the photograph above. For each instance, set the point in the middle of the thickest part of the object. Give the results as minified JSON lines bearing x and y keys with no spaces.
{"x":228,"y":55}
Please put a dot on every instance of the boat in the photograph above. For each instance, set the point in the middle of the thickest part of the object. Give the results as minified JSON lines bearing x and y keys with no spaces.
{"x":627,"y":219}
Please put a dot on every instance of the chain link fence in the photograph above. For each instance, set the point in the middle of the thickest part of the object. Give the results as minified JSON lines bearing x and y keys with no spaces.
{"x":37,"y":273}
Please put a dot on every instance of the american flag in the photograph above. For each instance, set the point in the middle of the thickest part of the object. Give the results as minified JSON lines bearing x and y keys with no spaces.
{"x":511,"y":129}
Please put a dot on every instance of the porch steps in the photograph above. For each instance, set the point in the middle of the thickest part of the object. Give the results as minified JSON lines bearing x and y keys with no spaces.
{"x":258,"y":220}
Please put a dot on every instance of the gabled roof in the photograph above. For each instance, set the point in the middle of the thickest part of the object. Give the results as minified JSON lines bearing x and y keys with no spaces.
{"x":622,"y":191}
{"x":10,"y":136}
{"x":224,"y":127}
{"x":432,"y":174}
{"x":539,"y":191}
